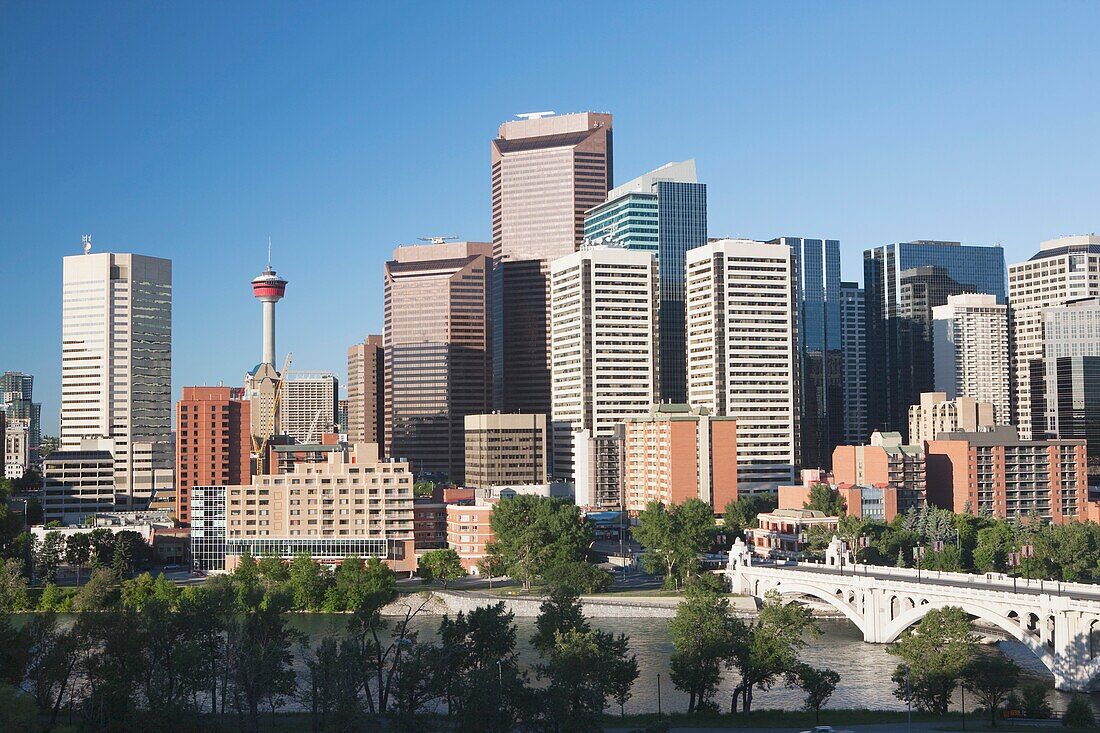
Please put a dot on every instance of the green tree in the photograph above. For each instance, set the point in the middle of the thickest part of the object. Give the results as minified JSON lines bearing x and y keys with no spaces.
{"x":97,"y":594}
{"x":483,"y":687}
{"x":934,"y":655}
{"x":274,"y":573}
{"x":991,"y":677}
{"x":17,"y":712}
{"x":703,"y":634}
{"x":823,"y":498}
{"x":673,"y":538}
{"x":533,"y":534}
{"x":577,"y":578}
{"x":306,"y":583}
{"x":1079,"y":713}
{"x":13,"y":587}
{"x":259,"y":656}
{"x":579,"y":668}
{"x":741,"y":513}
{"x":331,"y":693}
{"x":53,"y":599}
{"x":137,"y":592}
{"x":354,"y":580}
{"x":559,"y":613}
{"x":78,"y":552}
{"x":991,"y":548}
{"x":818,"y":684}
{"x":769,"y":648}
{"x":1035,"y":703}
{"x":122,"y":560}
{"x":442,"y":565}
{"x":48,"y":555}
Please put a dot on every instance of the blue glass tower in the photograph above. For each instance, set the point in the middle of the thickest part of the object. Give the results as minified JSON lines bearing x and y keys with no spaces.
{"x":663,"y":212}
{"x":902,"y":283}
{"x":817,"y":264}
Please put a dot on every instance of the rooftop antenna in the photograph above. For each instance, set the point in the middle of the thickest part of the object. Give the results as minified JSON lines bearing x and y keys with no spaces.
{"x":535,"y":115}
{"x":438,"y":239}
{"x":86,"y":240}
{"x":269,"y":253}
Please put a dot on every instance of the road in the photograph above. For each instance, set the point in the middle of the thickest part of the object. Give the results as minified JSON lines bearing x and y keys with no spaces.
{"x":1022,"y":586}
{"x":875,"y":728}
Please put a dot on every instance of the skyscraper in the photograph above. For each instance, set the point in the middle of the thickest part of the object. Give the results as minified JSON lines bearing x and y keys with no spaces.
{"x":213,"y":442}
{"x":853,"y":338}
{"x":970,"y":350}
{"x":663,"y":212}
{"x":436,"y":338}
{"x":546,"y":172}
{"x":17,"y":403}
{"x":742,"y":345}
{"x":366,"y":390}
{"x":308,"y":405}
{"x":817,"y":271}
{"x":116,"y":366}
{"x":903,"y":282}
{"x":1063,"y":269}
{"x":604,"y":362}
{"x":1065,"y":383}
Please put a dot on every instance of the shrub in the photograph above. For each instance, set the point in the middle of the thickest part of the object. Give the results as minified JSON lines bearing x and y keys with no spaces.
{"x":1079,"y":713}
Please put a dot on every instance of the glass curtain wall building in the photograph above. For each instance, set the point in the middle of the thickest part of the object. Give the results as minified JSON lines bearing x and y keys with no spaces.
{"x":817,"y":271}
{"x":903,"y":282}
{"x":663,"y":212}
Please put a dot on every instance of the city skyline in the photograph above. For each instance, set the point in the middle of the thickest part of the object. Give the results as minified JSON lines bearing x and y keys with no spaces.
{"x":152,"y":160}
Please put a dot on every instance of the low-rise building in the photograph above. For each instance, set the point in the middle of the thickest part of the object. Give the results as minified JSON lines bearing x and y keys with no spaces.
{"x":886,"y":464}
{"x":678,"y":453}
{"x":994,"y":472}
{"x":352,"y":504}
{"x":469,"y":529}
{"x":77,"y":483}
{"x":505,"y":449}
{"x":785,"y":532}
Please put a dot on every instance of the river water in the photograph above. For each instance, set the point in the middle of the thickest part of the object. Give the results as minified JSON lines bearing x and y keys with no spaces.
{"x":864,"y":669}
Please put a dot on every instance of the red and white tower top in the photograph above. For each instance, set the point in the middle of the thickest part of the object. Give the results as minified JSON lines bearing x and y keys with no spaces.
{"x":269,"y":289}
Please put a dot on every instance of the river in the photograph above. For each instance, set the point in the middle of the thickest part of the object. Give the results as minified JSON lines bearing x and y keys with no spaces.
{"x":864,"y":669}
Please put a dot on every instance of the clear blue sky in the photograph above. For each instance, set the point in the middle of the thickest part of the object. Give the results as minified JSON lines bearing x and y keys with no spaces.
{"x":196,"y":130}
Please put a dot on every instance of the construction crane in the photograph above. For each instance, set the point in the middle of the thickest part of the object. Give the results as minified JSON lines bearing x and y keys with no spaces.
{"x":313,"y":425}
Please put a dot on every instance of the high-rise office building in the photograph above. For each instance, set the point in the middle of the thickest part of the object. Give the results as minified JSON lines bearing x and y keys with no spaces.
{"x":663,"y":212}
{"x":116,"y":366}
{"x":308,"y":405}
{"x":436,"y":337}
{"x":970,"y":351}
{"x":742,"y":348}
{"x":817,"y":274}
{"x":1065,"y":383}
{"x":903,"y":282}
{"x":366,"y":390}
{"x":853,"y":339}
{"x":1062,"y":270}
{"x":604,"y":362}
{"x":213,"y":442}
{"x":506,"y":449}
{"x":17,"y":403}
{"x":546,"y":172}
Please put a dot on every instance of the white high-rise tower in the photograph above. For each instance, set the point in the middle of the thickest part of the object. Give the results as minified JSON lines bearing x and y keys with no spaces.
{"x":116,"y":365}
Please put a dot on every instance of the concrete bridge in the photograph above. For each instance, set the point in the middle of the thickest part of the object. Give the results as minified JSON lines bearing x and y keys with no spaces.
{"x":1058,"y":622}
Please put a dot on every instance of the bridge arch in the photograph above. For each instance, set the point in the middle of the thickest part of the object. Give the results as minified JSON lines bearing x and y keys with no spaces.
{"x":908,"y":618}
{"x":786,"y":588}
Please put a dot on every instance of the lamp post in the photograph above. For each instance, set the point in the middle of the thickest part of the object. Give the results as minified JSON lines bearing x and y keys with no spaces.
{"x":918,"y":555}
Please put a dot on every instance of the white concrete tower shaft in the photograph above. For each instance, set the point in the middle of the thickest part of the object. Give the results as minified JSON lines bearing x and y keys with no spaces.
{"x":269,"y":289}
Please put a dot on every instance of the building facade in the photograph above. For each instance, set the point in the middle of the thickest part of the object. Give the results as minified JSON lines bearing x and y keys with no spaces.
{"x":970,"y":351}
{"x":213,"y":442}
{"x":352,"y":504}
{"x":678,"y":453}
{"x":505,"y":449}
{"x":885,"y":464}
{"x":437,"y":357}
{"x":785,"y":533}
{"x":79,"y":482}
{"x":937,"y":414}
{"x":1063,"y":270}
{"x":17,"y":403}
{"x":16,"y":442}
{"x":308,"y":405}
{"x":1066,"y":382}
{"x":821,"y":354}
{"x":366,"y":392}
{"x":663,"y":212}
{"x":853,"y":339}
{"x":546,"y":172}
{"x":995,"y":473}
{"x":742,"y":349}
{"x":116,"y":366}
{"x":903,"y":282}
{"x":604,"y":362}
{"x":207,"y":512}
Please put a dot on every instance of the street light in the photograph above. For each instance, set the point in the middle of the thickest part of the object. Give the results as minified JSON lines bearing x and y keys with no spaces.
{"x":918,"y":555}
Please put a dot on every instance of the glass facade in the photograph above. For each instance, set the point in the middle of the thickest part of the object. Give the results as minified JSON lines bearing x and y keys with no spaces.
{"x":854,"y":347}
{"x":667,"y":218}
{"x":902,"y":283}
{"x":208,"y":527}
{"x":817,"y":267}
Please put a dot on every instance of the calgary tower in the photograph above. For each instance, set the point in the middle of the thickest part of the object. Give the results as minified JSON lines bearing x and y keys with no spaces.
{"x":269,"y":289}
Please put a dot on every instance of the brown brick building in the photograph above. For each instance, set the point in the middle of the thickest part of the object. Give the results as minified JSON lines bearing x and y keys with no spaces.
{"x":213,"y":442}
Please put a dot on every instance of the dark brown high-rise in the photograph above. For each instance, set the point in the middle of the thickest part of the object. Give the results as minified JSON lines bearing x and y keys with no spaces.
{"x":546,"y":172}
{"x":366,"y":390}
{"x":436,"y":343}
